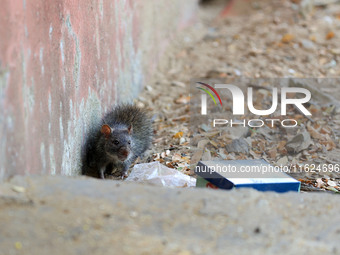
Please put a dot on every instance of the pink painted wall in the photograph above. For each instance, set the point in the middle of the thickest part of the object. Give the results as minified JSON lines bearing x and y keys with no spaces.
{"x":63,"y":62}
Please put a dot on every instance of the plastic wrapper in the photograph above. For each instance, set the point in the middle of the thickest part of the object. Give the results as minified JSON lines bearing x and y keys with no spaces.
{"x":160,"y":175}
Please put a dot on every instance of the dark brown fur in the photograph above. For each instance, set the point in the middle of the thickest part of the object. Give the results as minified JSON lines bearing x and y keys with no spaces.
{"x":111,"y":153}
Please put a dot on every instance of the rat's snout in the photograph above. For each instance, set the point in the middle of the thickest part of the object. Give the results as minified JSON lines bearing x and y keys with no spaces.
{"x":123,"y":154}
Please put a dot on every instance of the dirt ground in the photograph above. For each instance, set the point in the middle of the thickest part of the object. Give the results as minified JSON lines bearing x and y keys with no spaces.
{"x":255,"y":39}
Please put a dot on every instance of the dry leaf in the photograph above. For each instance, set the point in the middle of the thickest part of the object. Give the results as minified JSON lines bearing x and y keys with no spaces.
{"x":236,"y":37}
{"x":272,"y":153}
{"x":176,"y":157}
{"x":183,"y":100}
{"x":326,"y":130}
{"x":214,"y":144}
{"x":181,"y":118}
{"x":178,"y":135}
{"x":329,"y":143}
{"x":314,"y":133}
{"x":169,"y":164}
{"x":281,"y":146}
{"x":287,"y":38}
{"x":330,"y":35}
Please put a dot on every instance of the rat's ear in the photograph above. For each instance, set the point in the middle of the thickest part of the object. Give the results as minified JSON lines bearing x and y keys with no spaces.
{"x":106,"y":130}
{"x":130,"y":129}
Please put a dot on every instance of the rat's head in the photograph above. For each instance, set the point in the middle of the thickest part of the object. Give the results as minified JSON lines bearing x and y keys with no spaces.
{"x":117,"y":141}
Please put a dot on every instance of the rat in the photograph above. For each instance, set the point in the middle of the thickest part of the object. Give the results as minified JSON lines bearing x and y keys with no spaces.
{"x":124,"y":134}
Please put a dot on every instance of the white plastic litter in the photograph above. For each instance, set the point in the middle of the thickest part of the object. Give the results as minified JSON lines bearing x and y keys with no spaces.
{"x":160,"y":175}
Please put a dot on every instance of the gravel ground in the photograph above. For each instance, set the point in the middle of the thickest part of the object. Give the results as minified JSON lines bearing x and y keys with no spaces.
{"x":253,"y":39}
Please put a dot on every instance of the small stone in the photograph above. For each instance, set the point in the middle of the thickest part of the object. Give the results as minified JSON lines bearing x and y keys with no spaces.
{"x":133,"y":214}
{"x":222,"y":154}
{"x":239,"y":146}
{"x":211,"y":34}
{"x":328,"y":20}
{"x":178,"y":84}
{"x":202,"y":143}
{"x":307,"y":44}
{"x":215,"y":44}
{"x":331,"y":183}
{"x":330,"y":64}
{"x":335,"y":51}
{"x":182,"y":140}
{"x":18,"y":189}
{"x":282,"y":161}
{"x":299,"y":142}
{"x":205,"y":127}
{"x":237,"y":72}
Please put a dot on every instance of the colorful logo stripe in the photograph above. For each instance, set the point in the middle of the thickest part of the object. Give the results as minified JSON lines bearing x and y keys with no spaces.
{"x":208,"y":92}
{"x":210,"y":87}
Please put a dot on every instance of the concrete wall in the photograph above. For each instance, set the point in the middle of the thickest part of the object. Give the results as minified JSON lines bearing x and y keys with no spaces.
{"x":63,"y":62}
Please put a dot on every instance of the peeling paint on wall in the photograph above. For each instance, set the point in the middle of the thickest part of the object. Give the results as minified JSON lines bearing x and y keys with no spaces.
{"x":63,"y":63}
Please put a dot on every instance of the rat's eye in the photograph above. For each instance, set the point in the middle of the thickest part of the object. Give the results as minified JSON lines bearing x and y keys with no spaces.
{"x":129,"y":142}
{"x":116,"y":142}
